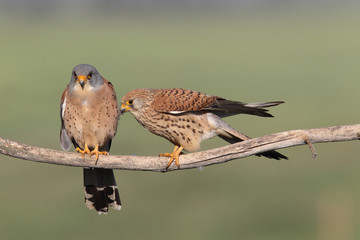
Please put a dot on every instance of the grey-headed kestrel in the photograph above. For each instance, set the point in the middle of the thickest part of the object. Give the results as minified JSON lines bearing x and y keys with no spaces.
{"x":186,"y":117}
{"x":89,"y":118}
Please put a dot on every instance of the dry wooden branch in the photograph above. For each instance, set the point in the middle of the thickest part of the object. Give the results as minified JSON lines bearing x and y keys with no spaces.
{"x":191,"y":160}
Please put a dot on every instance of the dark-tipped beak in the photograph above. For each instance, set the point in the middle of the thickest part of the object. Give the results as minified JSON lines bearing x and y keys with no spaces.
{"x":82,"y":83}
{"x":82,"y":80}
{"x":124,"y":108}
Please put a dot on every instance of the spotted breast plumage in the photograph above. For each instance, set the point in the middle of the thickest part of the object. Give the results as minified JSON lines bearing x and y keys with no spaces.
{"x":89,"y":118}
{"x":187,"y":117}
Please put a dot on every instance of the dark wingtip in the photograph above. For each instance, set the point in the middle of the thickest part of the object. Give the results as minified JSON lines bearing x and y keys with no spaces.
{"x":273,"y":155}
{"x":266,"y":115}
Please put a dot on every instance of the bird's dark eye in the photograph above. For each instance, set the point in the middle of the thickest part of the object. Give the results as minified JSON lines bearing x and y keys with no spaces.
{"x":89,"y":76}
{"x":75,"y":76}
{"x":130,"y":102}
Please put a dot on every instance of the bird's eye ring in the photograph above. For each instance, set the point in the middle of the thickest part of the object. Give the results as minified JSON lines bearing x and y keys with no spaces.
{"x":130,"y":102}
{"x":89,"y":76}
{"x":75,"y":76}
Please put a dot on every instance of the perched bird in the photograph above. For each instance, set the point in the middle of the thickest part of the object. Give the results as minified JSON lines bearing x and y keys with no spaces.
{"x":89,"y":118}
{"x":186,"y":117}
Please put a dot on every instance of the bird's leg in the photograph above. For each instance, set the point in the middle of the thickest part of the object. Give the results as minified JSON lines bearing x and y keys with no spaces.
{"x":173,"y":156}
{"x":169,"y":154}
{"x":96,"y":152}
{"x":86,"y":150}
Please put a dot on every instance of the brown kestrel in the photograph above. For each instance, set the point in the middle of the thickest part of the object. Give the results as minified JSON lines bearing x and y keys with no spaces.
{"x":89,"y":118}
{"x":186,"y":117}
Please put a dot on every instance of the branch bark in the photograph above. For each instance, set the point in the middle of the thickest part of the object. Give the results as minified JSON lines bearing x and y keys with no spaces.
{"x":191,"y":160}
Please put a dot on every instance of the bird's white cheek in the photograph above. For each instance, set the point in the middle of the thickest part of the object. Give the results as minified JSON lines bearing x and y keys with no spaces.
{"x":83,"y":94}
{"x":135,"y":113}
{"x":77,"y":88}
{"x":88,"y":87}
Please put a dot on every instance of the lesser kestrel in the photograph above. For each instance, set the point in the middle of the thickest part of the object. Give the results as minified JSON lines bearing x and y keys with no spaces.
{"x":89,"y":119}
{"x":187,"y":117}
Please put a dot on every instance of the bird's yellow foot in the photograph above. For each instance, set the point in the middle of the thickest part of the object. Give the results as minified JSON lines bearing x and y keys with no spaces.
{"x":173,"y":156}
{"x":83,"y":152}
{"x":96,"y":152}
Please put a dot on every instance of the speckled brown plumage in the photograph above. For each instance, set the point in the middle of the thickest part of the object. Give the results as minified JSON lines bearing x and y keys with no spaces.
{"x":178,"y":99}
{"x":187,"y":117}
{"x":89,"y":117}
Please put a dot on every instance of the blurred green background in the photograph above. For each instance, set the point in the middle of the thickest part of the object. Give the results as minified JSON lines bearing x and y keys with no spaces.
{"x":305,"y":54}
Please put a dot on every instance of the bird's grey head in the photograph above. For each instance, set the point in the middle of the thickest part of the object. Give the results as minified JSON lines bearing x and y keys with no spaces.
{"x":84,"y":74}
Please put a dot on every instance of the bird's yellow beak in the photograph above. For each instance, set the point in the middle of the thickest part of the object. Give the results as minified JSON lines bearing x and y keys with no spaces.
{"x":124,"y":108}
{"x":81,"y":80}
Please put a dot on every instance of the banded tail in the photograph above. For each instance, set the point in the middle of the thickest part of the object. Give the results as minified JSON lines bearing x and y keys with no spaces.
{"x":101,"y":190}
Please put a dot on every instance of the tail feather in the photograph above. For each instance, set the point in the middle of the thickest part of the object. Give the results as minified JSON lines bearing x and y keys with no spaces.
{"x":225,"y":108}
{"x":264,"y":104}
{"x":233,"y":136}
{"x":101,"y":190}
